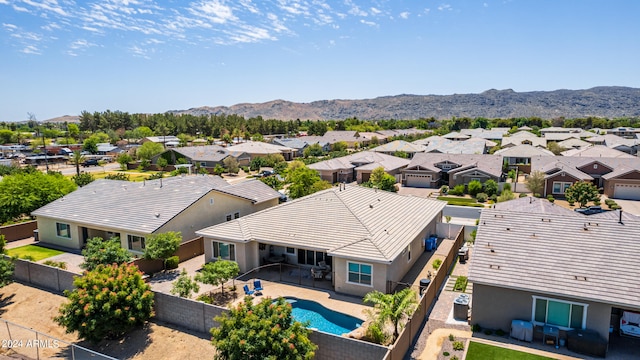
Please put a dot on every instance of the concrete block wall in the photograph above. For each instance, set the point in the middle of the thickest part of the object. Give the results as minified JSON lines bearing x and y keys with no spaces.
{"x":43,"y":276}
{"x":190,"y":314}
{"x":332,"y":347}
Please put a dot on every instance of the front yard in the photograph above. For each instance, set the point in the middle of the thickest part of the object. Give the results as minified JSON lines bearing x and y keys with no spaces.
{"x":33,"y":252}
{"x":478,"y":351}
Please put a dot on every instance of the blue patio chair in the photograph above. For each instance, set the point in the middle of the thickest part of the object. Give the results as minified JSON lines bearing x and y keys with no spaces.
{"x":257,"y":286}
{"x":247,"y":291}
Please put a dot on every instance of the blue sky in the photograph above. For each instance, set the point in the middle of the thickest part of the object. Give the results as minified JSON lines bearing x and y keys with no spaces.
{"x":60,"y":57}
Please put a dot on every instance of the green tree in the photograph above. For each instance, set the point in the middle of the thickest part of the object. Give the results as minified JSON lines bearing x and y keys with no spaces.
{"x":76,"y":159}
{"x":104,"y":252}
{"x":555,"y":148}
{"x":142,"y":132}
{"x":106,"y":303}
{"x":149,"y":150}
{"x":490,"y":187}
{"x":91,"y":144}
{"x":474,"y":187}
{"x":162,"y":245}
{"x":265,"y":330}
{"x":83,"y":179}
{"x":392,"y":308}
{"x":162,"y":163}
{"x":257,"y":137}
{"x":231,"y":164}
{"x":401,"y":154}
{"x":506,"y":195}
{"x":218,"y":273}
{"x":24,"y":192}
{"x":381,"y":180}
{"x":313,"y":150}
{"x":6,"y":136}
{"x":257,"y":162}
{"x":339,"y":146}
{"x":582,"y":192}
{"x":535,"y":182}
{"x":273,"y":182}
{"x":304,"y":181}
{"x":73,"y":130}
{"x":184,"y":285}
{"x":6,"y":266}
{"x":123,"y":159}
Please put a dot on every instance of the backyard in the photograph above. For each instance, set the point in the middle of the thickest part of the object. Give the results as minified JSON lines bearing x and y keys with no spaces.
{"x":478,"y":351}
{"x":33,"y":252}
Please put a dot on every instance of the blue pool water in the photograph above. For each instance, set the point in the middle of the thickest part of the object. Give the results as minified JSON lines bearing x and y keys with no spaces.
{"x":321,"y":318}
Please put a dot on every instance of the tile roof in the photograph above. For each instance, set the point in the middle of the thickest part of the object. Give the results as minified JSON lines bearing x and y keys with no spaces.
{"x":399,"y":145}
{"x":596,"y":151}
{"x":491,"y":134}
{"x":447,"y":146}
{"x":573,"y":143}
{"x":488,"y":163}
{"x":356,"y":222}
{"x":144,"y":206}
{"x":291,"y":142}
{"x":559,"y":255}
{"x":162,"y":139}
{"x":359,"y":159}
{"x":543,"y":163}
{"x":203,"y":153}
{"x":552,"y":169}
{"x":523,"y":151}
{"x":533,"y":205}
{"x":258,"y":147}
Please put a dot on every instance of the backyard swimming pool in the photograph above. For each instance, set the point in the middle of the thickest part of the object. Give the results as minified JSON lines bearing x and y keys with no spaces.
{"x":321,"y":318}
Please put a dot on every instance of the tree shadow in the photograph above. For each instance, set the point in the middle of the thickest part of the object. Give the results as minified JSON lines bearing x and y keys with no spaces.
{"x":130,"y":345}
{"x":5,"y":300}
{"x":167,"y":276}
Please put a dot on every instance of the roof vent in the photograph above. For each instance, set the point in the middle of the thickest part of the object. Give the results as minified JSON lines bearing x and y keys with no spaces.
{"x":157,"y":215}
{"x":497,"y":267}
{"x":371,"y":206}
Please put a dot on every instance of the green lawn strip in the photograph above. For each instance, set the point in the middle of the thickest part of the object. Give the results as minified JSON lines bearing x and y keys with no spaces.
{"x":37,"y":252}
{"x":460,"y":201}
{"x":478,"y":351}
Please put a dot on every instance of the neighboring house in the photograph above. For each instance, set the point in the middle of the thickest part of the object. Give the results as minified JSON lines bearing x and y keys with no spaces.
{"x":399,"y":146}
{"x":559,"y":130}
{"x":432,"y":170}
{"x":574,"y":143}
{"x":456,"y":136}
{"x":521,"y":154}
{"x":597,"y":151}
{"x":108,"y":149}
{"x":349,"y":227}
{"x":169,"y":139}
{"x":134,"y":210}
{"x":523,"y":138}
{"x":351,"y":138}
{"x":205,"y":156}
{"x":371,"y":135}
{"x":618,"y":177}
{"x":494,"y":134}
{"x":437,"y":144}
{"x":561,"y":136}
{"x":553,"y":269}
{"x":258,"y":148}
{"x":625,"y":132}
{"x":616,"y":142}
{"x":294,"y":143}
{"x":358,"y":166}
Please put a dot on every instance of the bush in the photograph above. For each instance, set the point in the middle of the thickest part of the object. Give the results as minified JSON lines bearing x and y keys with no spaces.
{"x":157,"y":175}
{"x":59,"y":264}
{"x":436,"y":264}
{"x":490,"y":187}
{"x":476,"y":328}
{"x":482,"y":197}
{"x":28,"y":258}
{"x":446,"y":353}
{"x":596,"y":202}
{"x":488,"y":332}
{"x":454,"y":357}
{"x":538,"y":195}
{"x":457,"y":190}
{"x":458,"y":345}
{"x":507,"y":186}
{"x":172,"y":262}
{"x":118,"y":176}
{"x":522,"y":195}
{"x":615,"y":207}
{"x":500,"y":332}
{"x":245,"y":169}
{"x":551,"y":198}
{"x":474,"y":187}
{"x":205,"y":298}
{"x":444,"y":190}
{"x":609,"y":202}
{"x":451,"y":337}
{"x":461,"y":284}
{"x":375,"y":333}
{"x":494,"y":197}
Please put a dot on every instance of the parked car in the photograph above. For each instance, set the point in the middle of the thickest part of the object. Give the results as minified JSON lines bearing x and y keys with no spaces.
{"x":90,"y":162}
{"x":590,"y":210}
{"x":266,"y":173}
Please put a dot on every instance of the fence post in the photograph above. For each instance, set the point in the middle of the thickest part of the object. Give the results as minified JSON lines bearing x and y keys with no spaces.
{"x":10,"y":338}
{"x":37,"y":347}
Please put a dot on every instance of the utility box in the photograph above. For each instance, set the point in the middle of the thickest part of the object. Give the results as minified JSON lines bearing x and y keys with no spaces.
{"x":461,"y":307}
{"x":522,"y":330}
{"x":463,"y":254}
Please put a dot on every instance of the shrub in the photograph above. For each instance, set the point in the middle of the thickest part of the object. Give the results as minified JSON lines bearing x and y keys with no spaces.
{"x":172,"y":262}
{"x":436,"y":264}
{"x":446,"y":353}
{"x":538,"y":195}
{"x":454,"y":357}
{"x":157,"y":175}
{"x":444,"y":190}
{"x":615,"y":207}
{"x":451,"y":337}
{"x":205,"y":299}
{"x":117,"y":176}
{"x":609,"y":202}
{"x":482,"y":197}
{"x":457,"y":190}
{"x":494,"y":197}
{"x":500,"y":332}
{"x":375,"y":333}
{"x":490,"y":187}
{"x":507,"y":186}
{"x":475,"y":187}
{"x":551,"y":198}
{"x":59,"y":264}
{"x":488,"y":332}
{"x":245,"y":169}
{"x":461,"y":284}
{"x":596,"y":202}
{"x":458,"y":345}
{"x":476,"y":328}
{"x":28,"y":258}
{"x":522,"y":195}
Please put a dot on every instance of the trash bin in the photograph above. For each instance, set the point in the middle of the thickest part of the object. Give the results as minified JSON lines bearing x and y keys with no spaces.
{"x":463,"y":254}
{"x":431,"y":243}
{"x":461,"y":307}
{"x":424,"y":284}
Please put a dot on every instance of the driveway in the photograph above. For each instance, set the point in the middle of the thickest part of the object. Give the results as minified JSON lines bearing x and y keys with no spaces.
{"x":630,"y":206}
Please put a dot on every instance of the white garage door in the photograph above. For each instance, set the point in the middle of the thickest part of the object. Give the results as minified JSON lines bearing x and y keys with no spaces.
{"x":420,"y":181}
{"x":626,"y":191}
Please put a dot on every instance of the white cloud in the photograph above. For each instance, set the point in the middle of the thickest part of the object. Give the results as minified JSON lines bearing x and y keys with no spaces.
{"x":139,"y":52}
{"x":81,"y":44}
{"x":51,"y":27}
{"x":48,"y":5}
{"x":214,"y":11}
{"x":294,"y":7}
{"x":250,"y":34}
{"x":354,"y":9}
{"x":485,"y":5}
{"x":405,"y":15}
{"x":31,"y":49}
{"x":370,"y":23}
{"x":375,"y":11}
{"x":9,"y":27}
{"x":20,"y":8}
{"x":444,"y":7}
{"x":332,"y":42}
{"x":4,"y":2}
{"x":277,"y":25}
{"x":92,"y":29}
{"x":249,"y":6}
{"x":27,"y":36}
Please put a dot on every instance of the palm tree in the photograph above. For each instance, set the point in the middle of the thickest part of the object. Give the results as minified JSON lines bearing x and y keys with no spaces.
{"x":392,"y":307}
{"x":77,"y":158}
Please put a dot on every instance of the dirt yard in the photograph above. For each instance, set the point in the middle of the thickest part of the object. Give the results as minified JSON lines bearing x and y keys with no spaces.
{"x":35,"y":308}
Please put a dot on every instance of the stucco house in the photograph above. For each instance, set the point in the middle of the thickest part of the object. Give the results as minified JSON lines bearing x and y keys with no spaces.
{"x":358,"y":166}
{"x":399,"y":146}
{"x":206,"y":156}
{"x":258,"y":148}
{"x":554,"y":269}
{"x":348,"y":227}
{"x":134,"y":210}
{"x":432,"y":170}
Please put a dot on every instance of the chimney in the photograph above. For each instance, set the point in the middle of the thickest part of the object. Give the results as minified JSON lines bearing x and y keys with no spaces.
{"x":620,"y":218}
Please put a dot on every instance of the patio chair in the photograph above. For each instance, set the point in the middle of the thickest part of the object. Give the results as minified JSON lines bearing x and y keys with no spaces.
{"x":247,"y":291}
{"x":257,"y":286}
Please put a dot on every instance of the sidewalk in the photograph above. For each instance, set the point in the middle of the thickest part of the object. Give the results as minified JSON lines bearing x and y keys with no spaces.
{"x":22,"y":242}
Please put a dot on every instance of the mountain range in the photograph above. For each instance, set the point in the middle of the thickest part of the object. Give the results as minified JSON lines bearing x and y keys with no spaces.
{"x":603,"y":101}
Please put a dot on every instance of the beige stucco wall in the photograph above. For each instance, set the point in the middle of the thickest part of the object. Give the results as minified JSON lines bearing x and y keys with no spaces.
{"x":341,"y":284}
{"x":494,"y":308}
{"x":47,"y":233}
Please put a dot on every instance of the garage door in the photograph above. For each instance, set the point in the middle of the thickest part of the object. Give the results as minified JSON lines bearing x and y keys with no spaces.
{"x":420,"y":181}
{"x":627,"y":191}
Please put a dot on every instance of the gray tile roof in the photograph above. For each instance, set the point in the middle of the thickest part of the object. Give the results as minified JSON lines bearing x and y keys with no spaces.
{"x":573,"y":143}
{"x":559,"y":255}
{"x":447,"y":146}
{"x":143,"y":206}
{"x":359,"y":159}
{"x":356,"y":222}
{"x":533,"y":205}
{"x":544,"y":163}
{"x":553,"y":169}
{"x":258,"y":147}
{"x":213,"y":153}
{"x":294,"y":143}
{"x":399,"y":145}
{"x":490,"y":164}
{"x":597,"y":151}
{"x":491,"y":134}
{"x":523,"y":151}
{"x":162,"y":139}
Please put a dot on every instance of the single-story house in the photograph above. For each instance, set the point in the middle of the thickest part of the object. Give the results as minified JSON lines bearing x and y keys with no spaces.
{"x":206,"y":156}
{"x":134,"y":210}
{"x":432,"y":170}
{"x":555,"y":270}
{"x":351,"y":138}
{"x":294,"y":143}
{"x":358,"y":166}
{"x":258,"y":148}
{"x":488,"y":134}
{"x":522,"y":154}
{"x":456,"y":136}
{"x":399,"y":146}
{"x":438,"y":144}
{"x":597,"y":151}
{"x":523,"y":138}
{"x":373,"y":136}
{"x":348,"y":227}
{"x":166,"y":140}
{"x":625,"y":132}
{"x":574,"y":143}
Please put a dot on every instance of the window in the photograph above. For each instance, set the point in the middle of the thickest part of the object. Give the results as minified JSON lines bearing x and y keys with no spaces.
{"x":310,"y":257}
{"x":136,"y":242}
{"x":63,"y":230}
{"x":595,"y":166}
{"x":359,"y":273}
{"x":203,"y":164}
{"x":236,"y":215}
{"x":559,"y":313}
{"x":475,"y":179}
{"x":291,"y":250}
{"x":408,"y":250}
{"x":229,"y":217}
{"x":560,"y":187}
{"x":224,"y":251}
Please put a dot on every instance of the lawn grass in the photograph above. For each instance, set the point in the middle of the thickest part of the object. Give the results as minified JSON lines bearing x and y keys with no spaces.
{"x":460,"y":201}
{"x":478,"y":351}
{"x":36,"y":252}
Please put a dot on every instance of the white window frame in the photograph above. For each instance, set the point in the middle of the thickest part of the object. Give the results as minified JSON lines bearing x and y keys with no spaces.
{"x":59,"y":230}
{"x":359,"y":273}
{"x":228,"y":217}
{"x":236,"y":215}
{"x":595,"y":166}
{"x":232,"y":250}
{"x":408,"y":250}
{"x":130,"y":241}
{"x":563,"y":187}
{"x":546,"y":315}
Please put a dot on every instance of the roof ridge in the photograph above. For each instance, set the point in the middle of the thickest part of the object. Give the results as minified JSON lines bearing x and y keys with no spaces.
{"x":352,"y":213}
{"x":342,"y":246}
